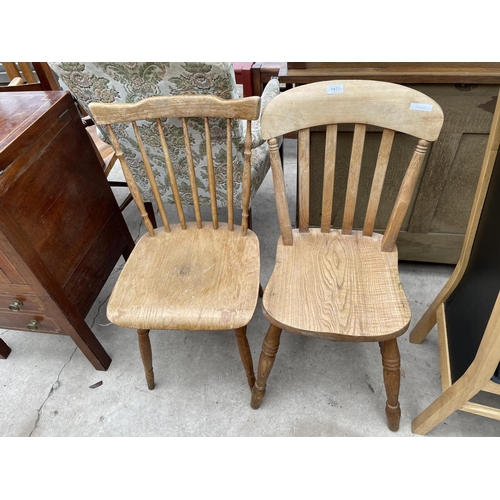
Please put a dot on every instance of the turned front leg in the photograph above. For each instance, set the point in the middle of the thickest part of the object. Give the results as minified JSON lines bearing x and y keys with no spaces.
{"x":270,"y":347}
{"x":147,"y":357}
{"x":392,"y":378}
{"x":245,"y":354}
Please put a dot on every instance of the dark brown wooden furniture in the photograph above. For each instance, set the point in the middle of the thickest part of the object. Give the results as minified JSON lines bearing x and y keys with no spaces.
{"x":4,"y":350}
{"x":436,"y":222}
{"x":262,"y":72}
{"x":243,"y":76}
{"x":30,"y":76}
{"x":464,"y":73}
{"x":61,"y":231}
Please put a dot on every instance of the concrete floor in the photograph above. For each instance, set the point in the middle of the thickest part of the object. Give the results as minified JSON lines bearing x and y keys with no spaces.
{"x":317,"y":388}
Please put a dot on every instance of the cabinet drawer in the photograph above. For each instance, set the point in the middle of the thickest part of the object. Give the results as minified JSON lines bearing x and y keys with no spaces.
{"x":20,"y":321}
{"x":25,"y":303}
{"x":8,"y":273}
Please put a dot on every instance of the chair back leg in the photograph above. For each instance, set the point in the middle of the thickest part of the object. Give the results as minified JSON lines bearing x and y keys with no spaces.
{"x":147,"y":357}
{"x":245,"y":354}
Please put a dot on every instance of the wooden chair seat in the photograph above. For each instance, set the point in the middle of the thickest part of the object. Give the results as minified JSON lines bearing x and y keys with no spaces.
{"x":337,"y":286}
{"x":192,"y":279}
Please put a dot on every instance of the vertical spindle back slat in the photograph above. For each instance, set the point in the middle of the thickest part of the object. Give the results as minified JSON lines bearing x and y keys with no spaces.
{"x":229,"y":162}
{"x":211,"y":175}
{"x":134,"y":189}
{"x":384,"y":153}
{"x":404,"y":197}
{"x":171,"y":175}
{"x":304,"y":178}
{"x":358,"y":143}
{"x":280,"y":193}
{"x":247,"y":178}
{"x":192,"y":174}
{"x":329,"y":178}
{"x":151,"y":177}
{"x":28,"y":72}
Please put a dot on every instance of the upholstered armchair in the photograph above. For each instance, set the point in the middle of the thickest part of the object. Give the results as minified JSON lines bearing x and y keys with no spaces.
{"x":130,"y":82}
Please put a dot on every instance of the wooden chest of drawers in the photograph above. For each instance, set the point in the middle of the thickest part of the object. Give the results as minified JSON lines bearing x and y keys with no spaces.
{"x":61,"y":231}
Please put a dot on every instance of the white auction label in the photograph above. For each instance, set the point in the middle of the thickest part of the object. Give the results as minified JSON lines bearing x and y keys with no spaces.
{"x":338,"y":88}
{"x":420,"y":107}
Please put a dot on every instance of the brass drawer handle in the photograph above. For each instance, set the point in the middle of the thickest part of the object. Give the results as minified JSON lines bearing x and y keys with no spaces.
{"x":33,"y":325}
{"x":15,"y":306}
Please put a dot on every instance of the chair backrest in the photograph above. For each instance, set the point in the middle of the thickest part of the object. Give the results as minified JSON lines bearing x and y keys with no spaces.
{"x":151,"y":121}
{"x":391,"y":107}
{"x":33,"y":76}
{"x":123,"y":82}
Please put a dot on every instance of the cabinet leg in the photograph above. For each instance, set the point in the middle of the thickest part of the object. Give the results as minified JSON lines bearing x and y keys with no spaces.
{"x":87,"y":342}
{"x":4,"y":350}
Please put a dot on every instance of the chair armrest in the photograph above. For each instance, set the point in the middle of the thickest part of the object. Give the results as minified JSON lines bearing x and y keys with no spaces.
{"x":16,"y":82}
{"x":271,"y":90}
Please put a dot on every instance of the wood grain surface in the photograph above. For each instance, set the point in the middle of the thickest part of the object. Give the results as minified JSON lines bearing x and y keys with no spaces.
{"x":337,"y":287}
{"x":192,"y":279}
{"x":361,"y":101}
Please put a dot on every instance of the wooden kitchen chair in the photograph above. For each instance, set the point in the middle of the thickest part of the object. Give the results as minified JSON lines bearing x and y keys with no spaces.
{"x":343,"y":284}
{"x":33,"y":76}
{"x":187,"y":275}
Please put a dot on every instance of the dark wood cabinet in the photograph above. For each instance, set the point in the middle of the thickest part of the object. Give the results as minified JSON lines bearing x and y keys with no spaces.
{"x":61,"y":231}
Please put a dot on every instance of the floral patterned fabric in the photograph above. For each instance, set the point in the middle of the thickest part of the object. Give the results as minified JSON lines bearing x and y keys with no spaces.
{"x":130,"y":82}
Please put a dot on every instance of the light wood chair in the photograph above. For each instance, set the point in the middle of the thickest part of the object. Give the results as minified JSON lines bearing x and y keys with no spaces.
{"x":33,"y":76}
{"x":343,"y":284}
{"x":467,"y":309}
{"x":188,"y":275}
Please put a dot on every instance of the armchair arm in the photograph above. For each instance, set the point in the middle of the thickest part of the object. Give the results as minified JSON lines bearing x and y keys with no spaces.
{"x":15,"y":82}
{"x":271,"y":90}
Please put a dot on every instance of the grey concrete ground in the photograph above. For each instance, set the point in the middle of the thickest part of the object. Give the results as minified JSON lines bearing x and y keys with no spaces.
{"x":317,"y":388}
